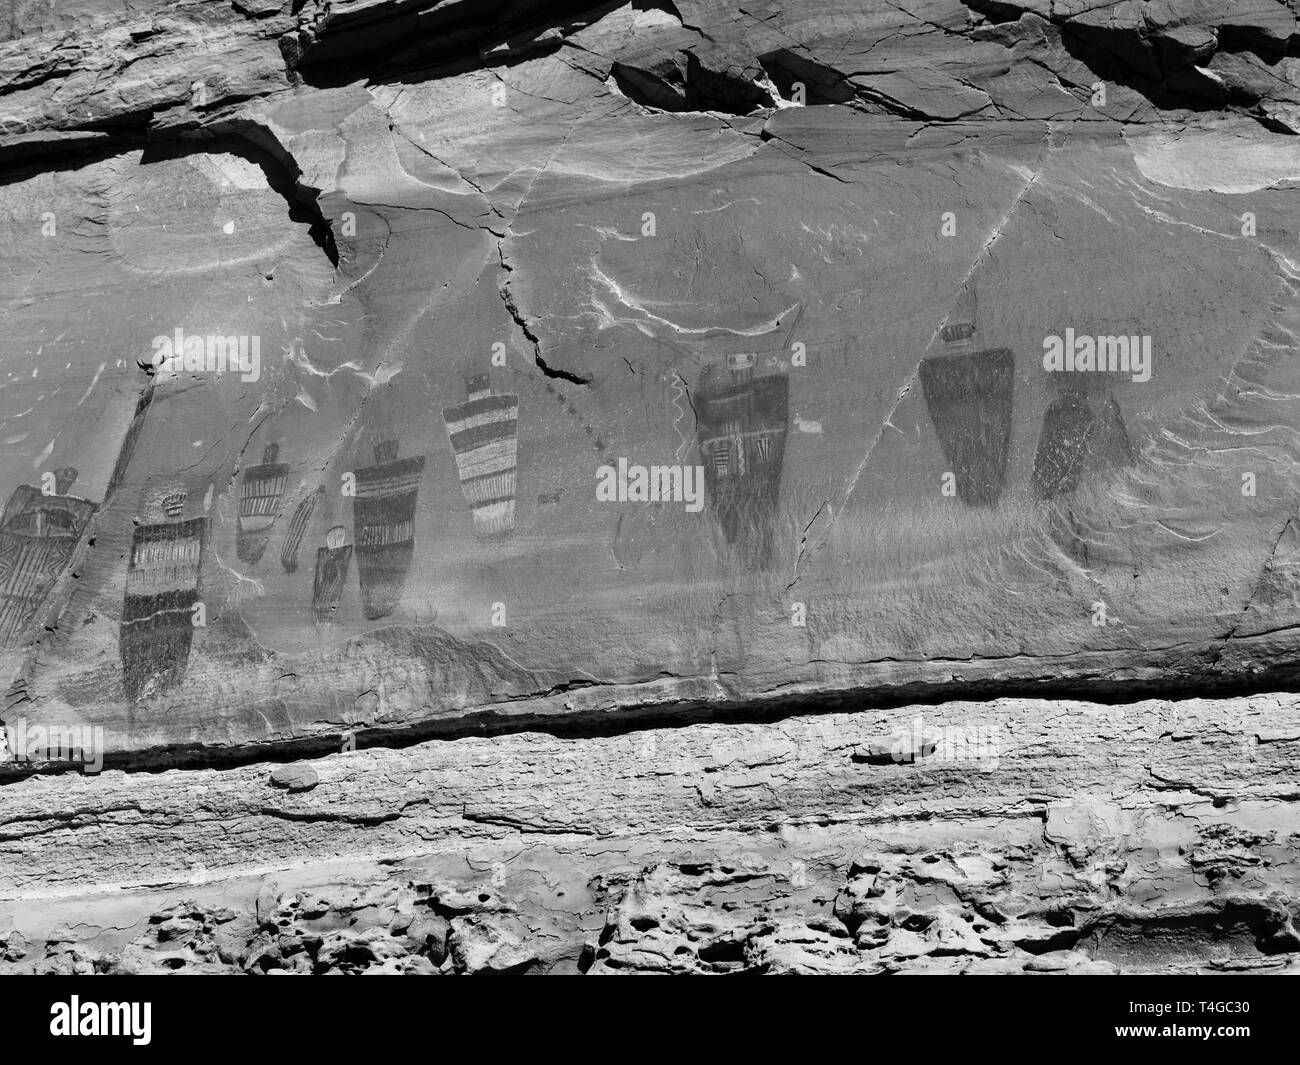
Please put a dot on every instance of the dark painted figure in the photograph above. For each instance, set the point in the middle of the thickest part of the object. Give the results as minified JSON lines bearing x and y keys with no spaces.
{"x":332,"y":562}
{"x":383,"y":521}
{"x":741,"y":426}
{"x":162,"y":586}
{"x":297,"y":527}
{"x":1081,"y":434}
{"x":38,"y":534}
{"x":260,"y":493}
{"x":969,"y":396}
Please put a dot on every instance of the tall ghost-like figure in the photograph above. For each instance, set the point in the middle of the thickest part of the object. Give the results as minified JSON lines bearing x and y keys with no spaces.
{"x":38,"y":534}
{"x":1083,"y":436}
{"x":969,"y":395}
{"x":260,"y":493}
{"x":483,"y":433}
{"x":741,"y":426}
{"x":332,"y":562}
{"x":1082,"y":433}
{"x":383,"y":524}
{"x":162,"y":586}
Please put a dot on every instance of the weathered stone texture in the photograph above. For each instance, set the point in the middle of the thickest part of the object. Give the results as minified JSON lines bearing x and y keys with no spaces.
{"x":307,"y":588}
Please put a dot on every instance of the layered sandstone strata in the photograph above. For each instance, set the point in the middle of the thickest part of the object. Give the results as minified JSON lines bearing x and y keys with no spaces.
{"x":975,"y":321}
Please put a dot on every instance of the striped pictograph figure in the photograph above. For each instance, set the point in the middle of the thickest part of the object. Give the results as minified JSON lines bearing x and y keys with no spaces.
{"x":484,"y":440}
{"x":383,"y":520}
{"x":741,"y":432}
{"x":38,"y":534}
{"x":162,"y":586}
{"x":260,"y":493}
{"x":298,"y":527}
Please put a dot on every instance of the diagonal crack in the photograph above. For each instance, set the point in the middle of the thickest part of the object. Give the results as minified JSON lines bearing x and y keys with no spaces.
{"x":503,"y":289}
{"x":1264,"y":571}
{"x":908,"y":385}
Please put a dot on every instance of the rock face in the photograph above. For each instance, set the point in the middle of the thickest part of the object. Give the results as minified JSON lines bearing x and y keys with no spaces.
{"x":1008,"y":836}
{"x":382,"y":374}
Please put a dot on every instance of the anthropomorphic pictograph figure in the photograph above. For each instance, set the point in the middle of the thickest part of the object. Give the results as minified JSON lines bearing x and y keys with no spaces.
{"x":163,"y":579}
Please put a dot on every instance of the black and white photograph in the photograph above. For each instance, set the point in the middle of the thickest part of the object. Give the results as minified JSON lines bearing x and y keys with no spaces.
{"x":657,"y":487}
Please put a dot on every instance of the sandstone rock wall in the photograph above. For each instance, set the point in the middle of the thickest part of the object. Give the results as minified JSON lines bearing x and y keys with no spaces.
{"x":337,"y":336}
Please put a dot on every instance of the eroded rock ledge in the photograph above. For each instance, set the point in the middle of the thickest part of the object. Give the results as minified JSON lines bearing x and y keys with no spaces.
{"x":1023,"y":836}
